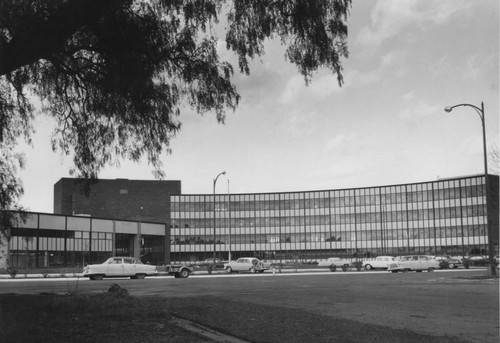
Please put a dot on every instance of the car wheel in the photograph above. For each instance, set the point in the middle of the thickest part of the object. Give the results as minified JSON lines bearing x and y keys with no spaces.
{"x":140,"y":276}
{"x":406,"y":270}
{"x":368,"y":267}
{"x":229,"y":270}
{"x":394,"y":271}
{"x":97,"y":277}
{"x":451,"y":265}
{"x":430,"y":269}
{"x":333,"y":268}
{"x":345,"y":267}
{"x":184,"y":273}
{"x":252,"y":270}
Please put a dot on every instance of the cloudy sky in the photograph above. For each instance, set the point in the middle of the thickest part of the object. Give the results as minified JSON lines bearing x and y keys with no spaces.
{"x":386,"y":125}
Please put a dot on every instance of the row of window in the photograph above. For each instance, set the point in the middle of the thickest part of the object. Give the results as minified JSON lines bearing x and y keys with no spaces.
{"x":331,"y":199}
{"x":53,"y":259}
{"x":349,"y":218}
{"x":43,"y":251}
{"x":55,"y":240}
{"x":341,"y":236}
{"x":60,"y":244}
{"x":319,"y":254}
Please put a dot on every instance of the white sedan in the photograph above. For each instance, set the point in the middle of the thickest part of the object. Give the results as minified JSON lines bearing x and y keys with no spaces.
{"x":246,"y":264}
{"x":413,"y":263}
{"x":119,"y":267}
{"x":334,"y":262}
{"x":381,"y":262}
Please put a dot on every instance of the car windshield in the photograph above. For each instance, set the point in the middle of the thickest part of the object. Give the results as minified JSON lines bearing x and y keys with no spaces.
{"x":113,"y":260}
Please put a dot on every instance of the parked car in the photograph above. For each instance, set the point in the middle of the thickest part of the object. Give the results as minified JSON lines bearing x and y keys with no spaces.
{"x":334,"y":262}
{"x":413,"y":263}
{"x":119,"y":267}
{"x":247,"y":264}
{"x":446,"y":261}
{"x":381,"y":262}
{"x":477,"y":260}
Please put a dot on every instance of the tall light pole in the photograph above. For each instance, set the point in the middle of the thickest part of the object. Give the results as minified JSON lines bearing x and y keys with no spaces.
{"x":215,"y":242}
{"x":229,"y":219}
{"x":480,"y":112}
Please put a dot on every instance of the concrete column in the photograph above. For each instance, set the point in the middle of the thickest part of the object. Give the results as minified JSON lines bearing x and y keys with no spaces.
{"x":137,"y":242}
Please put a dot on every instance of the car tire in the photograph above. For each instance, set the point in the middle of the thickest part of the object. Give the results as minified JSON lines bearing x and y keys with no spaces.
{"x":140,"y":276}
{"x":97,"y":277}
{"x":406,"y":270}
{"x":430,"y":269}
{"x":229,"y":270}
{"x":451,"y":265}
{"x":184,"y":273}
{"x":394,"y":271}
{"x":368,"y":267}
{"x":333,"y":268}
{"x":252,"y":270}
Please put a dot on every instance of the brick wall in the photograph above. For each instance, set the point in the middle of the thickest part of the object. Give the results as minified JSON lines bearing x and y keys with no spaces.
{"x":117,"y":199}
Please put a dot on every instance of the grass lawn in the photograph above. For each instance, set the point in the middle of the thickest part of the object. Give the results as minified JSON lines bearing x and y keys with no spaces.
{"x":116,"y":317}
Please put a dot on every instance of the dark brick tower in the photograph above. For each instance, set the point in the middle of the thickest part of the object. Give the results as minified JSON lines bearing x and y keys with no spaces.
{"x":117,"y":199}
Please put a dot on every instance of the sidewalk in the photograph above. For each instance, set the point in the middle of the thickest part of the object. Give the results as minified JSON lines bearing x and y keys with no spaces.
{"x":62,"y":274}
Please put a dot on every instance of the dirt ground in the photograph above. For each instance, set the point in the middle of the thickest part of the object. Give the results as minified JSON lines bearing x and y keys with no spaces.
{"x":55,"y":318}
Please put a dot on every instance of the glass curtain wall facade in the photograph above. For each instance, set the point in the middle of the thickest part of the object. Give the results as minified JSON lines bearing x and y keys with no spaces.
{"x":55,"y":241}
{"x":439,"y":217}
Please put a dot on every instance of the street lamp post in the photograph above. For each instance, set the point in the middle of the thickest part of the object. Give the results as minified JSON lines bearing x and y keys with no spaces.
{"x":480,"y":112}
{"x":229,"y":220}
{"x":215,"y":242}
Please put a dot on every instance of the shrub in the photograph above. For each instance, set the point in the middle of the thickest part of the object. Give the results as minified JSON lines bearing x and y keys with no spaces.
{"x":358,"y":265}
{"x":117,"y":291}
{"x":12,"y":272}
{"x":444,"y":264}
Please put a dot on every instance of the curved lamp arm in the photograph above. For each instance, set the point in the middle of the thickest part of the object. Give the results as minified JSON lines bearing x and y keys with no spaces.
{"x":480,"y":111}
{"x":215,"y":180}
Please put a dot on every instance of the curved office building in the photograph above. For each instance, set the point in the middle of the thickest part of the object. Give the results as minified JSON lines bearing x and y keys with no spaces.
{"x":154,"y":221}
{"x":447,"y":216}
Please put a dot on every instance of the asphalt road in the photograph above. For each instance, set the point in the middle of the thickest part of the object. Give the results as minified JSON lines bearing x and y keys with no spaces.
{"x":454,"y":303}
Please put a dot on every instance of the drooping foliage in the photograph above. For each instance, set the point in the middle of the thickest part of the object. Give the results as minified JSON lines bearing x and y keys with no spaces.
{"x":115,"y":74}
